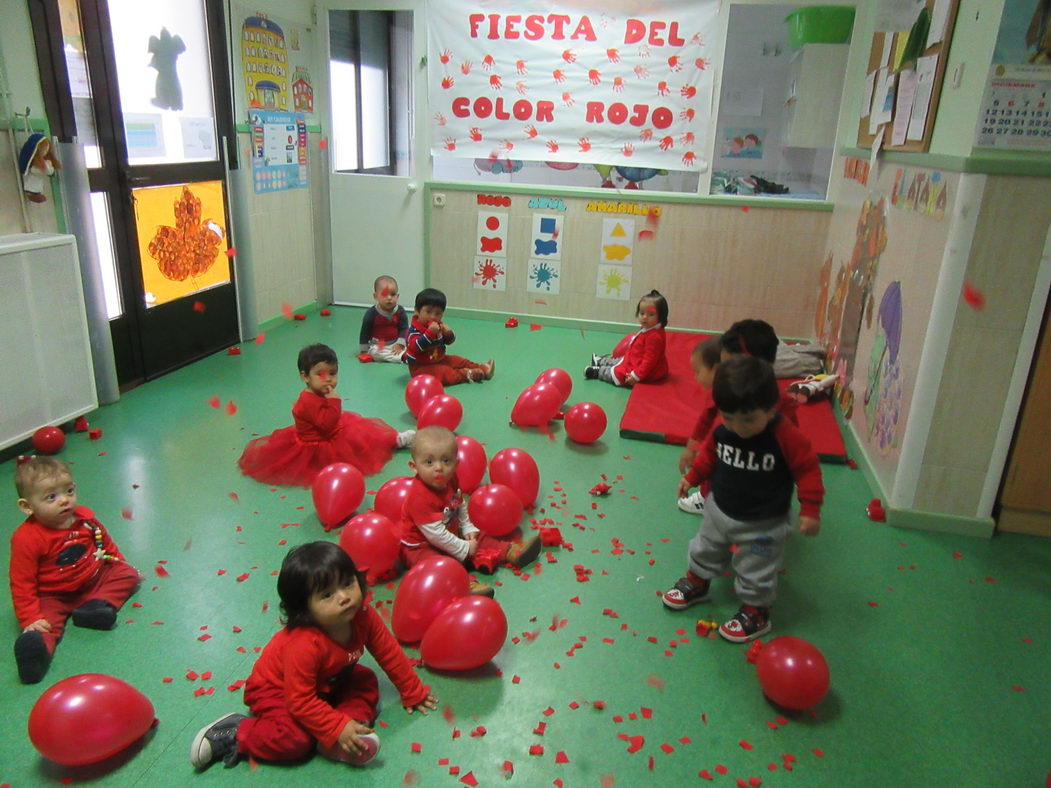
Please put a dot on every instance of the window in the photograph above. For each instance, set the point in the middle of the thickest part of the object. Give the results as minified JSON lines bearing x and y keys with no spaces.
{"x":370,"y":54}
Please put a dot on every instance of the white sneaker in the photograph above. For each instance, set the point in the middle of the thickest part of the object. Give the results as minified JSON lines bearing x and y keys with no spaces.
{"x":404,"y":439}
{"x":692,"y":503}
{"x":594,"y":359}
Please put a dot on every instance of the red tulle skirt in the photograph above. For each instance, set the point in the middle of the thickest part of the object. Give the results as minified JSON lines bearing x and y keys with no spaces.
{"x":282,"y":457}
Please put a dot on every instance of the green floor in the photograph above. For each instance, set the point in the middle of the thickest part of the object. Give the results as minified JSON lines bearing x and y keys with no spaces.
{"x":938,"y":645}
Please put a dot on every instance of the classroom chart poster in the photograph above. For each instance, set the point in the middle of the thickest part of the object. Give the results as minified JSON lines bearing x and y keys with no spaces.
{"x":492,"y":234}
{"x":618,"y":241}
{"x":279,"y":151}
{"x":626,"y":83}
{"x":546,"y":240}
{"x":277,"y":61}
{"x":544,"y":276}
{"x":613,"y":282}
{"x":489,"y":273}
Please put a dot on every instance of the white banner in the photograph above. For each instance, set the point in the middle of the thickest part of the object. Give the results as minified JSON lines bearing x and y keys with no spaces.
{"x":561,"y":85}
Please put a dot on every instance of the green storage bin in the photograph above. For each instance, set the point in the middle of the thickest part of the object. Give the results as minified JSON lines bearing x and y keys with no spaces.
{"x":820,"y":24}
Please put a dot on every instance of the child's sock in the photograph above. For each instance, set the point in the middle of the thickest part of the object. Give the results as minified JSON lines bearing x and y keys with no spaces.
{"x":95,"y":614}
{"x":32,"y":657}
{"x":370,"y":746}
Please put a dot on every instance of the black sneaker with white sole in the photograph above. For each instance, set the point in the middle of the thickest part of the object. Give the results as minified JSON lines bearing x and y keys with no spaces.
{"x":685,"y":593}
{"x":217,"y":742}
{"x":749,"y":623}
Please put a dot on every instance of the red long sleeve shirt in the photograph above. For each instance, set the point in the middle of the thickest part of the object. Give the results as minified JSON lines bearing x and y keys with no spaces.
{"x":641,"y":356}
{"x":316,"y":417}
{"x":752,"y":478}
{"x":299,"y":663}
{"x":423,"y":347}
{"x":46,"y":561}
{"x":710,"y":414}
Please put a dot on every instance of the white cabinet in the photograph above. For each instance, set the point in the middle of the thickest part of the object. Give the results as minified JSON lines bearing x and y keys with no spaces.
{"x":46,"y":375}
{"x":815,"y":86}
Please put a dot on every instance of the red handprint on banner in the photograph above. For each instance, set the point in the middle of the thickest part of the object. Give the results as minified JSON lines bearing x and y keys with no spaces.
{"x":613,"y":55}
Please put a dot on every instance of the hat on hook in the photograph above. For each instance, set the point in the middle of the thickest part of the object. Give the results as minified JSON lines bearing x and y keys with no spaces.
{"x":29,"y":151}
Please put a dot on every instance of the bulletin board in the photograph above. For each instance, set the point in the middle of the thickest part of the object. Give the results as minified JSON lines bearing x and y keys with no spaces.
{"x":910,"y":92}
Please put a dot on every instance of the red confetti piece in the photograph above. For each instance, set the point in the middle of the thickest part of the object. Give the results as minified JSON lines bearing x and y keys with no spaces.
{"x":745,"y":745}
{"x":548,"y":711}
{"x":448,"y":714}
{"x":221,"y":572}
{"x":167,"y":679}
{"x":540,"y":728}
{"x":299,"y":316}
{"x":561,"y":757}
{"x":189,"y":543}
{"x":206,"y":675}
{"x":705,"y":774}
{"x":192,"y":675}
{"x":873,"y":604}
{"x":606,"y":780}
{"x":231,"y":408}
{"x":237,"y":629}
{"x":635,"y":743}
{"x":645,"y":235}
{"x":325,"y":312}
{"x":746,"y":208}
{"x":508,"y":768}
{"x":412,"y":777}
{"x":235,"y":497}
{"x":204,"y":637}
{"x":241,"y":578}
{"x":973,"y":296}
{"x":667,"y":748}
{"x":990,"y":580}
{"x":721,"y":769}
{"x":322,"y":143}
{"x":215,"y":402}
{"x":646,"y":713}
{"x":535,"y":326}
{"x":536,"y":749}
{"x":477,"y":732}
{"x":656,"y":682}
{"x":416,"y":747}
{"x":95,"y":434}
{"x":468,"y":779}
{"x":516,"y":679}
{"x":266,"y":606}
{"x":1018,"y":688}
{"x":126,"y":513}
{"x":818,"y":753}
{"x":161,"y":571}
{"x":259,"y":339}
{"x":199,"y":306}
{"x":157,"y":623}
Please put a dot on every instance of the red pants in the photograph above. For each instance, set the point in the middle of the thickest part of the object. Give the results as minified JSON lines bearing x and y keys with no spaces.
{"x":273,"y":734}
{"x":450,"y":370}
{"x":114,"y":583}
{"x":410,"y":556}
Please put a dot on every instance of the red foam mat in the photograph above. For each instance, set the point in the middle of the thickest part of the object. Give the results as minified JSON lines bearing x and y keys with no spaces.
{"x":665,"y":412}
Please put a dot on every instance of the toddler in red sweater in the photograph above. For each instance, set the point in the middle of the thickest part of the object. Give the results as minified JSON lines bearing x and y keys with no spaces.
{"x":307,"y":689}
{"x":639,"y":357}
{"x":63,"y":563}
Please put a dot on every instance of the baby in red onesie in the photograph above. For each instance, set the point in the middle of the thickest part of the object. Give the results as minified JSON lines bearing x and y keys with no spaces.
{"x":63,"y":563}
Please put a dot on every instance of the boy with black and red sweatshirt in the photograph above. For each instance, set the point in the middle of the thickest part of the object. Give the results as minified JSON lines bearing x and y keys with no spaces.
{"x":426,"y":342}
{"x":383,"y":326}
{"x":753,"y":459}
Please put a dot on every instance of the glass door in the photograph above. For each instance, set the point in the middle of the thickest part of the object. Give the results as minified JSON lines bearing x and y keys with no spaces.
{"x":150,"y":96}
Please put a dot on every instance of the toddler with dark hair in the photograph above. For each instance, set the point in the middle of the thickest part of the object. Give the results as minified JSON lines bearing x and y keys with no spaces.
{"x":638,"y":357}
{"x":426,"y":342}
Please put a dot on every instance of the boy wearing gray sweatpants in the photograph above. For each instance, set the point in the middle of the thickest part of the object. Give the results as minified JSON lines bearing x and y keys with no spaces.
{"x":753,"y":459}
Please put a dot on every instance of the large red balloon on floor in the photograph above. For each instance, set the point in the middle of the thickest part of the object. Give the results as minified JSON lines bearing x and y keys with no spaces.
{"x":390,"y":498}
{"x":466,"y":634}
{"x":49,"y":440}
{"x":87,"y":718}
{"x":423,"y":593}
{"x":792,"y":672}
{"x":419,"y":389}
{"x":516,"y":469}
{"x":337,"y":492}
{"x":585,"y":422}
{"x":495,"y":509}
{"x":560,"y":379}
{"x":370,"y":539}
{"x":444,"y":410}
{"x":471,"y":463}
{"x":537,"y":405}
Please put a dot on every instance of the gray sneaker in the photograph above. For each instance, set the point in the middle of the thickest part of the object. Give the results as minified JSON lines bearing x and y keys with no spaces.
{"x":692,"y":503}
{"x":217,"y":742}
{"x":404,"y":439}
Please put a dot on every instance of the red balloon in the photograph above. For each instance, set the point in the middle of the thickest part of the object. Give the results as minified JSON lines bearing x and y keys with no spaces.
{"x":370,"y":539}
{"x":444,"y":410}
{"x":560,"y":379}
{"x":419,"y":389}
{"x":792,"y":672}
{"x":87,"y":718}
{"x":423,"y":593}
{"x":466,"y":634}
{"x":390,"y":498}
{"x":49,"y":440}
{"x":537,"y":405}
{"x":516,"y":469}
{"x":495,"y":509}
{"x":337,"y":491}
{"x":585,"y":422}
{"x":471,"y":463}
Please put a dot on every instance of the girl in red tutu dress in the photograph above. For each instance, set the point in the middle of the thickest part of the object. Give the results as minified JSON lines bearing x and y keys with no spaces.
{"x":323,"y":432}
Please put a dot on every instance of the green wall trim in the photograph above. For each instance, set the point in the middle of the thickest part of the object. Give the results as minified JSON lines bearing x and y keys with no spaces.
{"x":620,"y":195}
{"x":910,"y":518}
{"x":274,"y":322}
{"x":313,"y":128}
{"x":989,"y":162}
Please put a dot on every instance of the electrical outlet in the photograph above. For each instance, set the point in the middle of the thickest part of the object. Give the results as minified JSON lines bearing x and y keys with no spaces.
{"x":438,"y":198}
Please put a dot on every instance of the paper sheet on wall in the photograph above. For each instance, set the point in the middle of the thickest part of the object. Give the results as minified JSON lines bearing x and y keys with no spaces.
{"x":903,"y":106}
{"x":866,"y":98}
{"x":888,"y":45}
{"x":926,"y":67}
{"x":744,"y":101}
{"x":882,"y":100}
{"x":939,"y":19}
{"x":896,"y":14}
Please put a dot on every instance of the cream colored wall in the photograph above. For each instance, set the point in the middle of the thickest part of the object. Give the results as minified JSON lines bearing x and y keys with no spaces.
{"x":913,"y":255}
{"x":715,"y":264}
{"x":1005,"y":256}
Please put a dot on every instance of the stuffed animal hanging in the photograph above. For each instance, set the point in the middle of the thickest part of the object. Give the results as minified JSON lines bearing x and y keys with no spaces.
{"x":36,"y":162}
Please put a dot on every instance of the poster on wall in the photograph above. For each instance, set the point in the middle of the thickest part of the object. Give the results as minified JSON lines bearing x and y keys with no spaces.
{"x":1016,"y":106}
{"x":546,"y":241}
{"x":882,"y":397}
{"x":618,"y":241}
{"x":489,"y":273}
{"x":279,"y":151}
{"x":492,"y":234}
{"x":277,"y":63}
{"x":743,"y":143}
{"x":613,"y":282}
{"x":625,"y":84}
{"x":544,"y":276}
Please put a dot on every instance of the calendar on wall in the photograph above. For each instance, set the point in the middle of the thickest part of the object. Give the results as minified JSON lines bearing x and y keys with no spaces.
{"x":1016,"y":107}
{"x":1016,"y":113}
